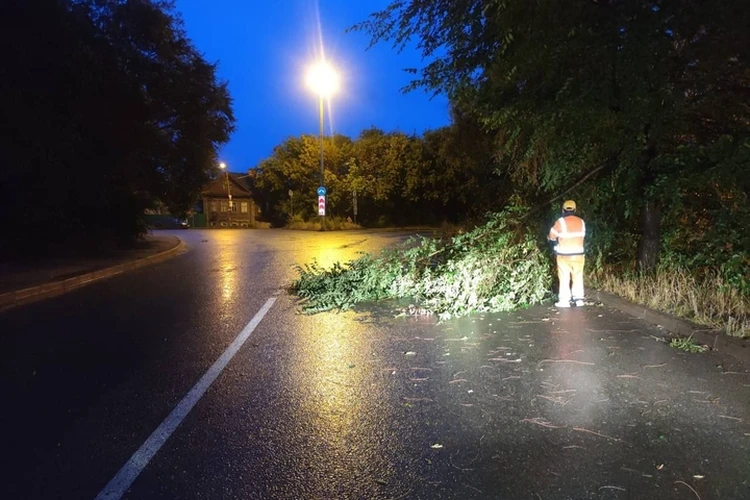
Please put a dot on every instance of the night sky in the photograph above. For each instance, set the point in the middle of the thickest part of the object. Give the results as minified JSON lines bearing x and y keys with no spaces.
{"x":263,"y":48}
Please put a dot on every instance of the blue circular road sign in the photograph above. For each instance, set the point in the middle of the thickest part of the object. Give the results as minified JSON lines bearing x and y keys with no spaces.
{"x":321,"y":191}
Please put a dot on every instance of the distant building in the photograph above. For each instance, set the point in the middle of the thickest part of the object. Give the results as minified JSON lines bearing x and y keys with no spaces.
{"x":228,"y":202}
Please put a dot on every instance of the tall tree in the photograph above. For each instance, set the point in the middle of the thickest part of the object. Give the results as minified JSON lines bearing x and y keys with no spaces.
{"x":112,"y":109}
{"x":621,"y":93}
{"x":295,"y":165}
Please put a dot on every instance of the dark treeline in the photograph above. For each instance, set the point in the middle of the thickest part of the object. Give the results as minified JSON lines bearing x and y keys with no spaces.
{"x":107,"y":109}
{"x":446,"y":175}
{"x":640,"y":110}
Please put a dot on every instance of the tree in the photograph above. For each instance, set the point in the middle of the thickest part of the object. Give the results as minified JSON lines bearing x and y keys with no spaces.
{"x":399,"y":179}
{"x":113,"y":110}
{"x":295,"y":165}
{"x":463,"y":176}
{"x":627,"y":90}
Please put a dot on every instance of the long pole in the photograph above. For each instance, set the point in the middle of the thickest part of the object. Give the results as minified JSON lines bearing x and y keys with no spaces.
{"x":355,"y":205}
{"x":322,"y":174}
{"x":229,"y":195}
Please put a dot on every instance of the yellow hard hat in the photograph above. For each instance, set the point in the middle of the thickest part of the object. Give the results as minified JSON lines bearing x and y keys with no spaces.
{"x":569,"y":206}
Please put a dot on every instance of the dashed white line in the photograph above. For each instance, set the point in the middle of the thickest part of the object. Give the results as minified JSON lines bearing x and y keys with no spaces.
{"x":124,"y":478}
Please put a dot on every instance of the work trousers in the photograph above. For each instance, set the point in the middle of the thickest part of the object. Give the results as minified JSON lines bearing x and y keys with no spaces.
{"x":570,"y":268}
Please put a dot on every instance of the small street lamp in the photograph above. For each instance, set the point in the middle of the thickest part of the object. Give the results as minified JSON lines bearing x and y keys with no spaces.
{"x":322,"y":80}
{"x":223,"y":166}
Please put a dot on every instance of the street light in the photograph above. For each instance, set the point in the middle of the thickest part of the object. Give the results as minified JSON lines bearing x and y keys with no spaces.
{"x":323,"y":80}
{"x":223,"y":166}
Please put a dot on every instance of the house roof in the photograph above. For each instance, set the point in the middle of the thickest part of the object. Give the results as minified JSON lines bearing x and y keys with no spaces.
{"x":238,"y":186}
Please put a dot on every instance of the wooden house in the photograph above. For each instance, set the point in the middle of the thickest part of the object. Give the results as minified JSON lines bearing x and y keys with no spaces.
{"x":228,"y":202}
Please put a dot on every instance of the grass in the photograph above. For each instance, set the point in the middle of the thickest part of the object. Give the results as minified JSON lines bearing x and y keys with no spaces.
{"x":687,"y":344}
{"x":709,"y":300}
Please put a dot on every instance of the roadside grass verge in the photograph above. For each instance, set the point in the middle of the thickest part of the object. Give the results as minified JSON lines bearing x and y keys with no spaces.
{"x":709,"y":300}
{"x":491,"y":268}
{"x":331,"y":224}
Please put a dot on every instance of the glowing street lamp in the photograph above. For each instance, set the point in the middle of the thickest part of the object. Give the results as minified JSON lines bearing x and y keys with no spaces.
{"x":223,"y":166}
{"x":322,"y":80}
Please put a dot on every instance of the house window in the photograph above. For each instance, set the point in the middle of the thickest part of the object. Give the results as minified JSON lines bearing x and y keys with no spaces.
{"x":233,"y":206}
{"x":243,"y":207}
{"x":223,"y":206}
{"x":214,"y":206}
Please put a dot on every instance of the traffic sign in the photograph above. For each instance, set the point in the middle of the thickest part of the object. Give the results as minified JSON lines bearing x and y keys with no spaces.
{"x":322,"y":206}
{"x":321,"y":191}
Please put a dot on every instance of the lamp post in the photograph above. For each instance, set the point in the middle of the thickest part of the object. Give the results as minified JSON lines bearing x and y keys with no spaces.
{"x":323,"y":80}
{"x":223,"y":166}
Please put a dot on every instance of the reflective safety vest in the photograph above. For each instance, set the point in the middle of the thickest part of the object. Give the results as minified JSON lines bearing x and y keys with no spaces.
{"x":569,"y":232}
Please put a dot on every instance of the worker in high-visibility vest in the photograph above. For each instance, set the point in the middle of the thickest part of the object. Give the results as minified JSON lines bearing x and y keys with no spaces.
{"x":569,"y":232}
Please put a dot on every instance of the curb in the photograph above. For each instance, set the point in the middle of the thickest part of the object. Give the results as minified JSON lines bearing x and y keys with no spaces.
{"x":15,"y":298}
{"x":717,"y":340}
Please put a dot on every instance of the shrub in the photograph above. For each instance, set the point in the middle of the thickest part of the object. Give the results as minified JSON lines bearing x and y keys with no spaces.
{"x":331,"y":224}
{"x":713,"y":297}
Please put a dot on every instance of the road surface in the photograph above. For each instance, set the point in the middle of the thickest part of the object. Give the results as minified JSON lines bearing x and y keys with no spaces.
{"x":585,"y":403}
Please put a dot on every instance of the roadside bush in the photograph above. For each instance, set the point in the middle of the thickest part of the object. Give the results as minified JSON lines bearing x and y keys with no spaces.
{"x":331,"y":224}
{"x":495,"y":267}
{"x":715,"y":297}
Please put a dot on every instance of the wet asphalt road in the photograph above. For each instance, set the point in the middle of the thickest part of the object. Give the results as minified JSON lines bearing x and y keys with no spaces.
{"x":585,"y":403}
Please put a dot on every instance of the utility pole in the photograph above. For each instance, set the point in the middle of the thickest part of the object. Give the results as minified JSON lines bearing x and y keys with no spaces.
{"x":229,"y":195}
{"x":354,"y":203}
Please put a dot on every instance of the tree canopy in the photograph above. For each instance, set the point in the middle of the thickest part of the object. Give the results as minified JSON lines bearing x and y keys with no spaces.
{"x":445,"y":175}
{"x":110,"y":109}
{"x":646,"y":100}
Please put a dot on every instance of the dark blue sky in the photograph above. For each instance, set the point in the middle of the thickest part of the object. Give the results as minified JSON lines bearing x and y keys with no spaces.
{"x":263,"y":48}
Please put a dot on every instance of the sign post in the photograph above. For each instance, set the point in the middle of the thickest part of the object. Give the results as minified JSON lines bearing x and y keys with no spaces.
{"x":322,"y":206}
{"x":322,"y":201}
{"x":354,"y":202}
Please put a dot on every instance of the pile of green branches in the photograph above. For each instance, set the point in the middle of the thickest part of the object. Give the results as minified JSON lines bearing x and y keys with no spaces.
{"x":495,"y":267}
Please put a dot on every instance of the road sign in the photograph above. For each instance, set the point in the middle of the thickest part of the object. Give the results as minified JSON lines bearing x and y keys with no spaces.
{"x":321,"y":191}
{"x":321,"y":206}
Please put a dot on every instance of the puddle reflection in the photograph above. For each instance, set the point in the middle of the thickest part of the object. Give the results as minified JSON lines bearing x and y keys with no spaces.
{"x":573,"y":377}
{"x":228,"y":260}
{"x":333,"y":379}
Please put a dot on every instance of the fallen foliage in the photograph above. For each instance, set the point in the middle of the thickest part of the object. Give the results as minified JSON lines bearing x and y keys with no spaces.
{"x":495,"y":267}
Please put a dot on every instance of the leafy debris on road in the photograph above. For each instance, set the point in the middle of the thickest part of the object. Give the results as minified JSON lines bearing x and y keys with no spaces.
{"x":496,"y":267}
{"x":687,"y":344}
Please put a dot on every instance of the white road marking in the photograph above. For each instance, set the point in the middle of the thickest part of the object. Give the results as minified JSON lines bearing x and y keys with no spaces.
{"x":119,"y":484}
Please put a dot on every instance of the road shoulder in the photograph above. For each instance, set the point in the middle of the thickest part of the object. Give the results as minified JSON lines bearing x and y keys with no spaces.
{"x":717,"y":340}
{"x":26,"y":284}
